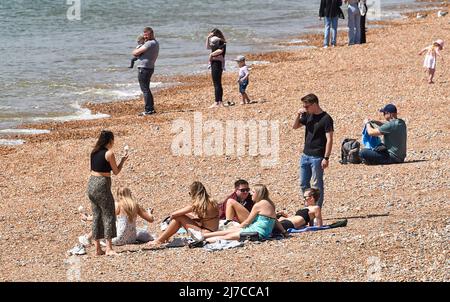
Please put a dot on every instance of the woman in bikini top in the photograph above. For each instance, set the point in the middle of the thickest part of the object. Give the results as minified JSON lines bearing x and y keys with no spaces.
{"x":303,"y":216}
{"x":202,"y":214}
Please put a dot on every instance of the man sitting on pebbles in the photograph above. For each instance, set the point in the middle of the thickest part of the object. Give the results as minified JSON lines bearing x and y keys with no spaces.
{"x":238,"y":205}
{"x":394,"y":137}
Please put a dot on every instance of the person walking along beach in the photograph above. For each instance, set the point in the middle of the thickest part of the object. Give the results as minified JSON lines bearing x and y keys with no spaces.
{"x":318,"y":143}
{"x":147,"y":55}
{"x":103,"y":161}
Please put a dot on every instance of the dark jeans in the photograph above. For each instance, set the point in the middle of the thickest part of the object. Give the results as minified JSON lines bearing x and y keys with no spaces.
{"x":216,"y":72}
{"x":372,"y":157}
{"x":363,"y":27}
{"x":144,"y":77}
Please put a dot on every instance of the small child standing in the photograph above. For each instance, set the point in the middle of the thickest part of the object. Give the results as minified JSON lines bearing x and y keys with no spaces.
{"x":432,"y":52}
{"x":140,"y":41}
{"x":243,"y":79}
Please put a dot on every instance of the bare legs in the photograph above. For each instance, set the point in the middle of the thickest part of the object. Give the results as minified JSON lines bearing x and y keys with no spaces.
{"x":235,"y":209}
{"x":230,"y":234}
{"x":109,"y":250}
{"x":430,"y":75}
{"x":245,"y":99}
{"x":174,"y":225}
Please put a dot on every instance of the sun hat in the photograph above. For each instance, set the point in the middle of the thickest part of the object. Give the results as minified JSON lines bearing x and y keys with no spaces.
{"x":440,"y":42}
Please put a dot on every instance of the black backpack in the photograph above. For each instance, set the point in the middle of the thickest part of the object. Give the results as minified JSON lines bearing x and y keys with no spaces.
{"x":350,"y":151}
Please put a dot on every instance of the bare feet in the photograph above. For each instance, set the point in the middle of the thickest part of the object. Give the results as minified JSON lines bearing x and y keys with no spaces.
{"x":111,"y":253}
{"x":99,"y":253}
{"x":215,"y":105}
{"x":155,"y":244}
{"x":86,"y":217}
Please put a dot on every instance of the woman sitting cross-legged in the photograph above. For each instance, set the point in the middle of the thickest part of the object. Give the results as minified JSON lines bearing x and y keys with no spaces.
{"x":202,"y":215}
{"x":262,"y":220}
{"x":302,"y":217}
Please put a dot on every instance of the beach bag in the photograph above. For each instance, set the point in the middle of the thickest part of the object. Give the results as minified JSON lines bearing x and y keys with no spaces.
{"x":250,"y":236}
{"x":350,"y":151}
{"x":368,"y":141}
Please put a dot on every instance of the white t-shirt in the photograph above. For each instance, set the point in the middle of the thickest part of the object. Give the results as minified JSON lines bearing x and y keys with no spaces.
{"x":243,"y":71}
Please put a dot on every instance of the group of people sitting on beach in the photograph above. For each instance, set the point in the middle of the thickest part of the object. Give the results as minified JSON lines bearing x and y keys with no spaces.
{"x":245,"y":210}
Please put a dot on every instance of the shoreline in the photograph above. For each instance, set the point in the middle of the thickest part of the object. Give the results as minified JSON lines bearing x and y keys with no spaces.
{"x":309,"y":39}
{"x":43,"y":182}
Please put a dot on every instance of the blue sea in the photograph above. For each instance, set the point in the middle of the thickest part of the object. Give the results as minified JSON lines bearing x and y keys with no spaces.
{"x":56,"y":55}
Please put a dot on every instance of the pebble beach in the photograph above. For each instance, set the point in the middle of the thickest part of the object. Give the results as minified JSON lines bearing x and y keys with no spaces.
{"x":401,"y":227}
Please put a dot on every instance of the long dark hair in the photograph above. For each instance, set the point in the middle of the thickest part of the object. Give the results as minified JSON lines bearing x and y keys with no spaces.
{"x":216,"y":32}
{"x":104,"y":139}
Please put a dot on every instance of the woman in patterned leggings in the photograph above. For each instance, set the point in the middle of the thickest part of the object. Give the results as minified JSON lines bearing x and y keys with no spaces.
{"x":103,"y":162}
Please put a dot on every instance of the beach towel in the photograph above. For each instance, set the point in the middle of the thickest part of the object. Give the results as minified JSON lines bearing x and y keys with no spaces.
{"x":338,"y":224}
{"x":222,"y":245}
{"x":178,"y":242}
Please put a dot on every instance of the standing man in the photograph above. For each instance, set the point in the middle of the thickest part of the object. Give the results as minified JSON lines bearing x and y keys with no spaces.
{"x":318,"y":143}
{"x":147,"y":55}
{"x":394,"y":138}
{"x":331,"y":11}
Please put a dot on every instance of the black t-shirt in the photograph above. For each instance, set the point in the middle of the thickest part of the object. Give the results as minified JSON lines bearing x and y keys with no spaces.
{"x":316,"y":125}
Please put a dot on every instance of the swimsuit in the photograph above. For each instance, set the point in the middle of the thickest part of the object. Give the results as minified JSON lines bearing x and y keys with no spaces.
{"x":304,"y":213}
{"x":263,"y":225}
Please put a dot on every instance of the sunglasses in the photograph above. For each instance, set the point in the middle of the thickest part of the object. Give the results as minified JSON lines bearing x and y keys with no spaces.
{"x":244,"y":190}
{"x":306,"y":197}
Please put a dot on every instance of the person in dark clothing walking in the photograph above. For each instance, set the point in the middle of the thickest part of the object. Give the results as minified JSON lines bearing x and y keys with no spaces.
{"x":331,"y":11}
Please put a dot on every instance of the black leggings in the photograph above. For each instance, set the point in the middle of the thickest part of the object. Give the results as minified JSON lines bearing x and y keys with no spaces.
{"x":216,"y":72}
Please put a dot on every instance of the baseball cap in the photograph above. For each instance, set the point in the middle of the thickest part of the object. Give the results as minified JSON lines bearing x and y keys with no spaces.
{"x":239,"y":59}
{"x":390,"y":108}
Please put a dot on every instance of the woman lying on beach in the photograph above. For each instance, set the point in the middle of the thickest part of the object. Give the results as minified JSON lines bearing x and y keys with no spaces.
{"x":127,"y":210}
{"x":262,"y":220}
{"x":302,"y":217}
{"x":202,"y":215}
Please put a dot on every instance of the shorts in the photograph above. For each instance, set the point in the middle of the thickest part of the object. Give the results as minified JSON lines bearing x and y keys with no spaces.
{"x":243,"y":86}
{"x":287,"y":224}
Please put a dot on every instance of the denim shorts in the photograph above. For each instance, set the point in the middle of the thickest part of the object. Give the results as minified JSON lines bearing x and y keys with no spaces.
{"x":243,"y":86}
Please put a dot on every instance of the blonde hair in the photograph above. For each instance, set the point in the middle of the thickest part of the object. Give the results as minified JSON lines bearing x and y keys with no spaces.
{"x":262,"y":193}
{"x":200,"y":199}
{"x":127,"y":204}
